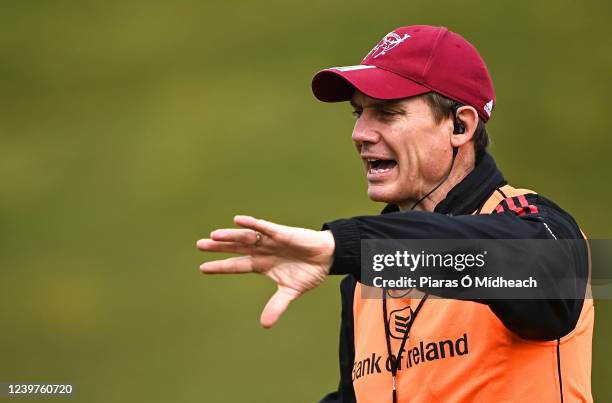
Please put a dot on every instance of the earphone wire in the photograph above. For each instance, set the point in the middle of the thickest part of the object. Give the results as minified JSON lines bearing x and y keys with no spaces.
{"x":455,"y":149}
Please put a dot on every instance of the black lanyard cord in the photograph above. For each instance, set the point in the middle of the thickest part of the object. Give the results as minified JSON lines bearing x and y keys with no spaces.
{"x":396,"y":362}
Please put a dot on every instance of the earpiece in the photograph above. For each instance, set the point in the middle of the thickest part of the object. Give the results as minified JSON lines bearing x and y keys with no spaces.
{"x":458,"y":126}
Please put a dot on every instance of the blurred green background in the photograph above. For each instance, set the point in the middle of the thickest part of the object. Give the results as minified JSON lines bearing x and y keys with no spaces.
{"x":129,"y":129}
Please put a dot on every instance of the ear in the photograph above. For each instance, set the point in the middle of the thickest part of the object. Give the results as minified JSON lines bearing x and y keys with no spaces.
{"x":469,"y":118}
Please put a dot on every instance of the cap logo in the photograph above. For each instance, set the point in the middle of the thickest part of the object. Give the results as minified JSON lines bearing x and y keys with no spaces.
{"x":489,"y":107}
{"x":387,"y":43}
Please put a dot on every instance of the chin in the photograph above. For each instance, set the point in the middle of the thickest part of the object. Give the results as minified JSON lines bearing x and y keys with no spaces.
{"x":383,"y":194}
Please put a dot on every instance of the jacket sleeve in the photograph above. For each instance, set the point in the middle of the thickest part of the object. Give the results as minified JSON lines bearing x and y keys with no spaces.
{"x":534,"y":218}
{"x":345,"y":392}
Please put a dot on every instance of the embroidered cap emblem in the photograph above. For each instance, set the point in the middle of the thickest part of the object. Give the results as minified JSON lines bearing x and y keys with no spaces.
{"x":489,"y":107}
{"x":390,"y":41}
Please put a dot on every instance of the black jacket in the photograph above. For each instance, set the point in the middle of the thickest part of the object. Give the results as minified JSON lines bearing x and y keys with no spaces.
{"x":538,"y":319}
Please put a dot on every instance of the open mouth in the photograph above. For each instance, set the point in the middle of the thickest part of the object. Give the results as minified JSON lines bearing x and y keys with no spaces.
{"x":380,"y":166}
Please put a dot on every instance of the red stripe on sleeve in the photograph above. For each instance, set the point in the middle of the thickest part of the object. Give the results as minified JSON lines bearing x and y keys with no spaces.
{"x":518,"y":205}
{"x":532,"y":209}
{"x":520,"y":211}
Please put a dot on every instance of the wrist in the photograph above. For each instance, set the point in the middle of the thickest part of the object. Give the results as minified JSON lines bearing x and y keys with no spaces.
{"x":329,"y":246}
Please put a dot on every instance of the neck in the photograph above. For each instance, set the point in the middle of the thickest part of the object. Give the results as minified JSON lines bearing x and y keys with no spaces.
{"x":463,"y":165}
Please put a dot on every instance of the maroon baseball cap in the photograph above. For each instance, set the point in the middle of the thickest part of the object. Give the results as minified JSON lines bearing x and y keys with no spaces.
{"x":411,"y":61}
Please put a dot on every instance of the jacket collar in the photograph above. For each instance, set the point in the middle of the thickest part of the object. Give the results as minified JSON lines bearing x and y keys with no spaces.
{"x":472,"y":192}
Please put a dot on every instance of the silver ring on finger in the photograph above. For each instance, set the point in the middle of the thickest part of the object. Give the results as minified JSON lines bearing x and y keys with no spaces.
{"x":258,"y":239}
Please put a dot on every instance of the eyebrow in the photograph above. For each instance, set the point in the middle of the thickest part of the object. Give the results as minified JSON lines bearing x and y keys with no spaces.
{"x":378,"y":104}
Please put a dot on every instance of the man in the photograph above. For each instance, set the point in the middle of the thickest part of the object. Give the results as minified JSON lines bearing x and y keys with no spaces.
{"x":422,"y":97}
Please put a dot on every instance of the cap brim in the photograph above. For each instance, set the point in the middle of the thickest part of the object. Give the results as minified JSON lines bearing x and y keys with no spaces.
{"x":338,"y":84}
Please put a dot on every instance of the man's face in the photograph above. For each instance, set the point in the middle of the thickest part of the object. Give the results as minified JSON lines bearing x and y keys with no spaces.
{"x":405,"y":152}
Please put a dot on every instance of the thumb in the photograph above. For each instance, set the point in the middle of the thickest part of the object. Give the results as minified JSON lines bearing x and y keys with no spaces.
{"x":276,"y":306}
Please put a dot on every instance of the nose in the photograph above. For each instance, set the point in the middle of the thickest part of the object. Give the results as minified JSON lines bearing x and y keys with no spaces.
{"x":365,"y":131}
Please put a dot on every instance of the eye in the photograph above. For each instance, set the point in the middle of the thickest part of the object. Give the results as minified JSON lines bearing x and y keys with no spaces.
{"x":388,"y":113}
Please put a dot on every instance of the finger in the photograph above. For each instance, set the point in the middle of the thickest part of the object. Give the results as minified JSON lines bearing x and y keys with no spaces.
{"x":209,"y":245}
{"x":276,"y":306}
{"x":241,"y":264}
{"x":245,"y":236}
{"x":263,"y":226}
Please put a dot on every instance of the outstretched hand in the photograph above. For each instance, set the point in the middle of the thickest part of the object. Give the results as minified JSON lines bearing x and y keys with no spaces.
{"x":297,"y":259}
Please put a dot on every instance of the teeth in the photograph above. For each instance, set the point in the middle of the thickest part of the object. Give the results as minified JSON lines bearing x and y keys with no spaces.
{"x":379,"y":170}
